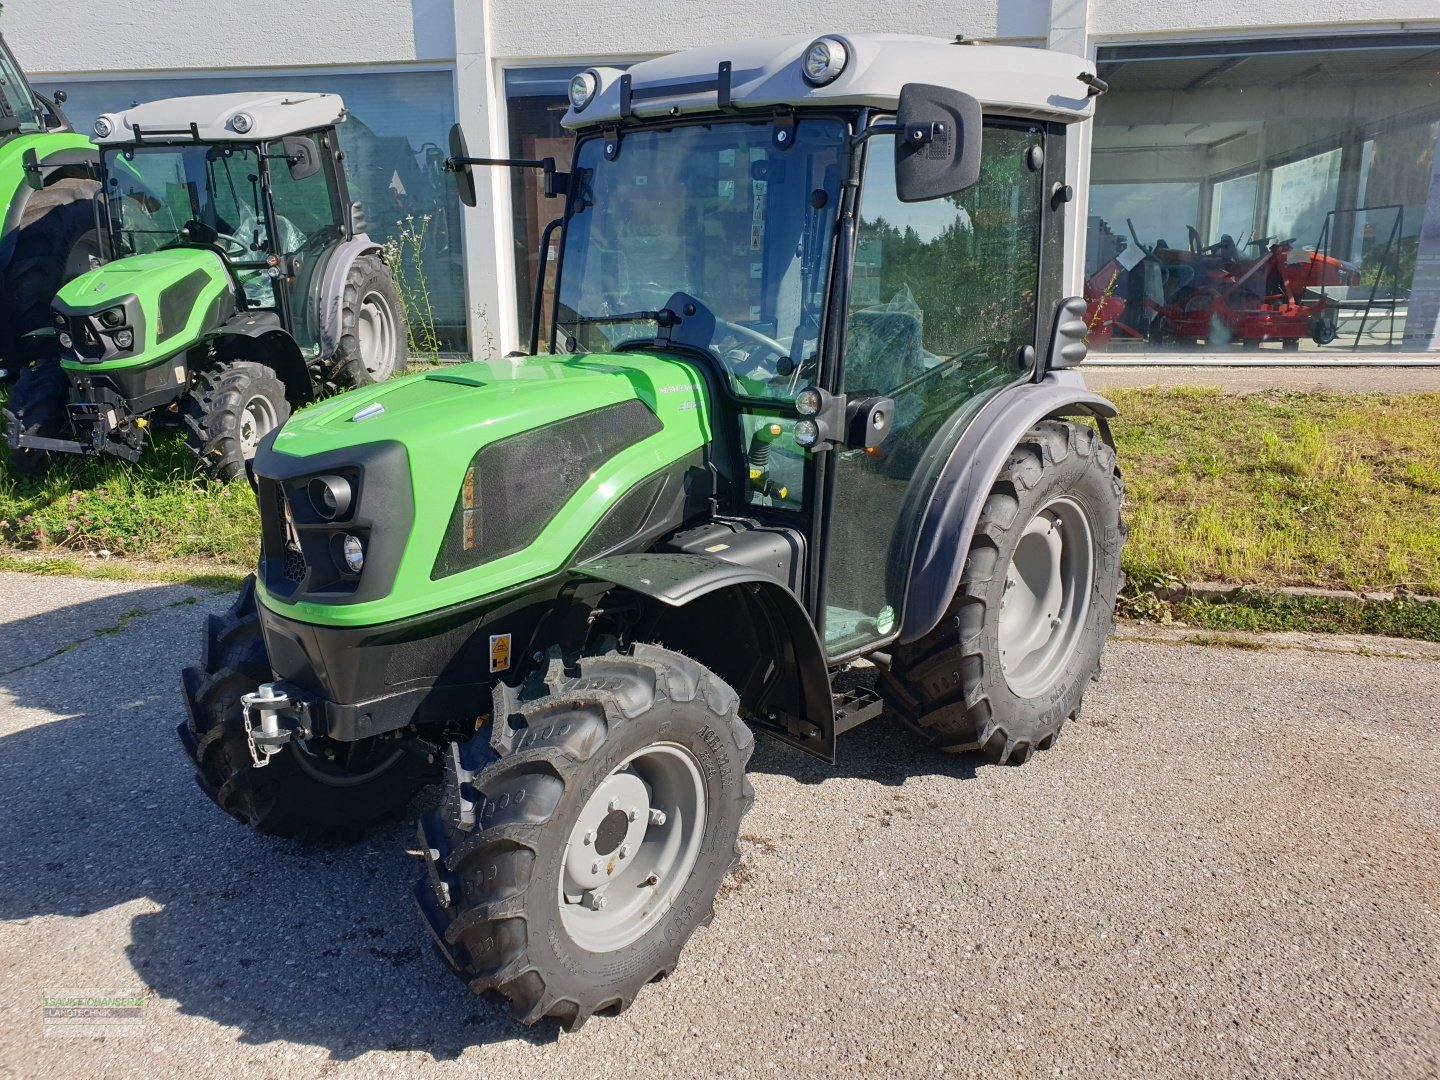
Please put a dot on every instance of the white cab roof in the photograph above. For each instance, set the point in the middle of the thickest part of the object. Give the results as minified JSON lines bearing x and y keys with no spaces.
{"x":1006,"y":79}
{"x":272,"y":115}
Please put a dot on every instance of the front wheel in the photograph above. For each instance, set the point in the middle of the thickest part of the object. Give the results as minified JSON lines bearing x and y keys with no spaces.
{"x":312,"y":790}
{"x":584,"y":841}
{"x":37,"y":406}
{"x":1021,"y":641}
{"x":373,"y":337}
{"x":229,"y":410}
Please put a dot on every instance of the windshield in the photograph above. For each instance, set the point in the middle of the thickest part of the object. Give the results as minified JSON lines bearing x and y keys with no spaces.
{"x":167,"y":196}
{"x":714,"y":227}
{"x":17,"y":106}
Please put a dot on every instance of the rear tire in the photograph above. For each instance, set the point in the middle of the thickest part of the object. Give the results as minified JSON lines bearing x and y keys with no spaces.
{"x":37,"y":406}
{"x":228,"y":411}
{"x":528,"y":841}
{"x":54,"y":242}
{"x":372,"y":326}
{"x":300,"y":793}
{"x":1006,"y":685}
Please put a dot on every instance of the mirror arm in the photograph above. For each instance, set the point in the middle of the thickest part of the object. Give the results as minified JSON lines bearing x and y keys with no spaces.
{"x":875,"y":129}
{"x":555,"y":181}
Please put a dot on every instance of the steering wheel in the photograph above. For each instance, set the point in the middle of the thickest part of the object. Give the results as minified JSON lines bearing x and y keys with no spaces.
{"x":755,"y":336}
{"x":232,"y":246}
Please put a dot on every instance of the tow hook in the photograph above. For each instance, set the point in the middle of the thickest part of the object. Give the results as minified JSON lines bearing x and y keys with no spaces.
{"x":267,"y":738}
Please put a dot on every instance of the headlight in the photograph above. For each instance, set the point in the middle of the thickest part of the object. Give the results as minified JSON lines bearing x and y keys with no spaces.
{"x":104,"y":126}
{"x":241,"y":122}
{"x":65,"y":339}
{"x":824,"y":61}
{"x":809,"y":401}
{"x":124,"y":338}
{"x":582,"y":90}
{"x":112,"y":316}
{"x":807,"y":433}
{"x":352,"y":549}
{"x":330,"y":495}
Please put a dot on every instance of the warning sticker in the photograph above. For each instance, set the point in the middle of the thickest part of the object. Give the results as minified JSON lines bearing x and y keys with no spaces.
{"x":499,"y":652}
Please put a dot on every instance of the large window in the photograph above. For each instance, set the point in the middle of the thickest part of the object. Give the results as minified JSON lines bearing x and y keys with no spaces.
{"x":394,"y":139}
{"x":1269,"y":195}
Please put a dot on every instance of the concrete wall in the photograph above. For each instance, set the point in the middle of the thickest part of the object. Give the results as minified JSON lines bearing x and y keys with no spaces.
{"x":1118,"y":18}
{"x":55,"y":36}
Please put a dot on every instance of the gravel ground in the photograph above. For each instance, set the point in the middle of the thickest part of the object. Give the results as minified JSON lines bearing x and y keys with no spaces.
{"x":1229,"y":867}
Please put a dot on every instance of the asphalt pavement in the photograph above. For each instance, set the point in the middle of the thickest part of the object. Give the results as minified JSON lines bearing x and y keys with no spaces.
{"x":1230,"y":866}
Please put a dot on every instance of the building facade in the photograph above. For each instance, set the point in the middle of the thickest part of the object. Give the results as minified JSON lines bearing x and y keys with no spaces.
{"x":1261,"y":179}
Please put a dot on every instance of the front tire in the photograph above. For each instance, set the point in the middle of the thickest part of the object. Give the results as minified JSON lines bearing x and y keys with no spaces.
{"x":317,"y":790}
{"x":229,"y":410}
{"x":1010,"y":661}
{"x":576,"y":854}
{"x":37,"y":406}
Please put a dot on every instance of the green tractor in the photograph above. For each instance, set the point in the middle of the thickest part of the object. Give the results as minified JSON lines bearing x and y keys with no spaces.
{"x":47,"y":223}
{"x":239,"y":281}
{"x":806,"y":448}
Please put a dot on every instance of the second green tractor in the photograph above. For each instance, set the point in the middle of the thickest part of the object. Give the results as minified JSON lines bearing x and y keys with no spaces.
{"x":800,"y":446}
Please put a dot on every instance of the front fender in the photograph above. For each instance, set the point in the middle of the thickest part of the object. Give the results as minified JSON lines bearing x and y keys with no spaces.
{"x":940,"y":529}
{"x":331,"y":297}
{"x":745,"y":626}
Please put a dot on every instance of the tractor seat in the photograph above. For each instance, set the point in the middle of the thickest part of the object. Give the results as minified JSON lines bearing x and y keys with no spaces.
{"x":882,"y":351}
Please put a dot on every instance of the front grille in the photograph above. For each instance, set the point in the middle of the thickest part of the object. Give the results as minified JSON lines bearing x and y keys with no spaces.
{"x":294,"y":566}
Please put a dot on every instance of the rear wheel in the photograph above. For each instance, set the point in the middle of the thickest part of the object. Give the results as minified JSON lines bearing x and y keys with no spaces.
{"x":55,"y":242}
{"x":1021,"y":641}
{"x":575,"y":854}
{"x":37,"y":406}
{"x":372,"y":326}
{"x":314,"y":789}
{"x":228,"y":411}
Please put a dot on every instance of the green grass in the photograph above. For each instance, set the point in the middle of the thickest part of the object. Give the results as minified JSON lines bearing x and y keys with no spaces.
{"x":1259,"y":610}
{"x":155,"y":510}
{"x":1331,"y":490}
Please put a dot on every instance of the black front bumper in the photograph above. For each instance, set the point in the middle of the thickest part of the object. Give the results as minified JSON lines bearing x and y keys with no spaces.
{"x":430,"y":671}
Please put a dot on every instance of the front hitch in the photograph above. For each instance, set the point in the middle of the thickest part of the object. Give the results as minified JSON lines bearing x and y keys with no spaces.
{"x":271,"y":720}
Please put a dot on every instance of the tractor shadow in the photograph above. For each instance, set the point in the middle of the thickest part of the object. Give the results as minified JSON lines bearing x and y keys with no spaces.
{"x":320,"y":947}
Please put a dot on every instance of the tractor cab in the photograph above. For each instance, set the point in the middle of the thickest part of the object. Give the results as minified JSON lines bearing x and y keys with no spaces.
{"x":251,"y":178}
{"x":229,"y":238}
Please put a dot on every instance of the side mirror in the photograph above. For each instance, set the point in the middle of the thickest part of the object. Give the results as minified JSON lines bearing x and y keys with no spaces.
{"x":937,"y":149}
{"x":464,"y":178}
{"x":31,"y":165}
{"x":302,"y":155}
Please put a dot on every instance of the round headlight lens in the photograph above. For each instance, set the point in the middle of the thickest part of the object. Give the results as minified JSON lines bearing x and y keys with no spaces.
{"x":807,"y":433}
{"x":104,"y":126}
{"x":824,"y":61}
{"x":65,"y":339}
{"x":242,"y":122}
{"x":124,"y":338}
{"x":353,"y":550}
{"x":809,"y":401}
{"x":582,"y":90}
{"x":330,"y":495}
{"x":112,"y":316}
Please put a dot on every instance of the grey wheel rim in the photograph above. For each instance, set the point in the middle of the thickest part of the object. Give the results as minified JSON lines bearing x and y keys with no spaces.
{"x":375,"y":331}
{"x":1047,"y":597}
{"x":633,"y":848}
{"x":256,"y":421}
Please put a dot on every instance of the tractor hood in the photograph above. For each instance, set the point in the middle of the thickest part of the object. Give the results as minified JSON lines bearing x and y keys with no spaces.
{"x":142,"y":309}
{"x":433,"y":463}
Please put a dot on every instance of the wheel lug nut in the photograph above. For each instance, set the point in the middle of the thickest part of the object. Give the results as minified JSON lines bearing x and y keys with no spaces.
{"x":651,"y":879}
{"x":624,"y":851}
{"x":657,"y":817}
{"x":596,"y":866}
{"x":632,"y":813}
{"x":594,"y":901}
{"x":589,"y":838}
{"x":614,"y":805}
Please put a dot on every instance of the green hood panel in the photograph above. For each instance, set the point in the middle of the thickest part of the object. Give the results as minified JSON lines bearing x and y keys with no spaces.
{"x":444,"y":417}
{"x":181,"y":295}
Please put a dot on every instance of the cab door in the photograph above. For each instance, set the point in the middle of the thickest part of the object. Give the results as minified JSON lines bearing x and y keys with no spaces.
{"x":942,"y":307}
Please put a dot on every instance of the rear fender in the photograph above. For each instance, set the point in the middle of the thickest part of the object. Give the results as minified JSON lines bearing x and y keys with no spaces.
{"x":329,"y":300}
{"x":939,"y":531}
{"x":746,"y":627}
{"x":63,"y":160}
